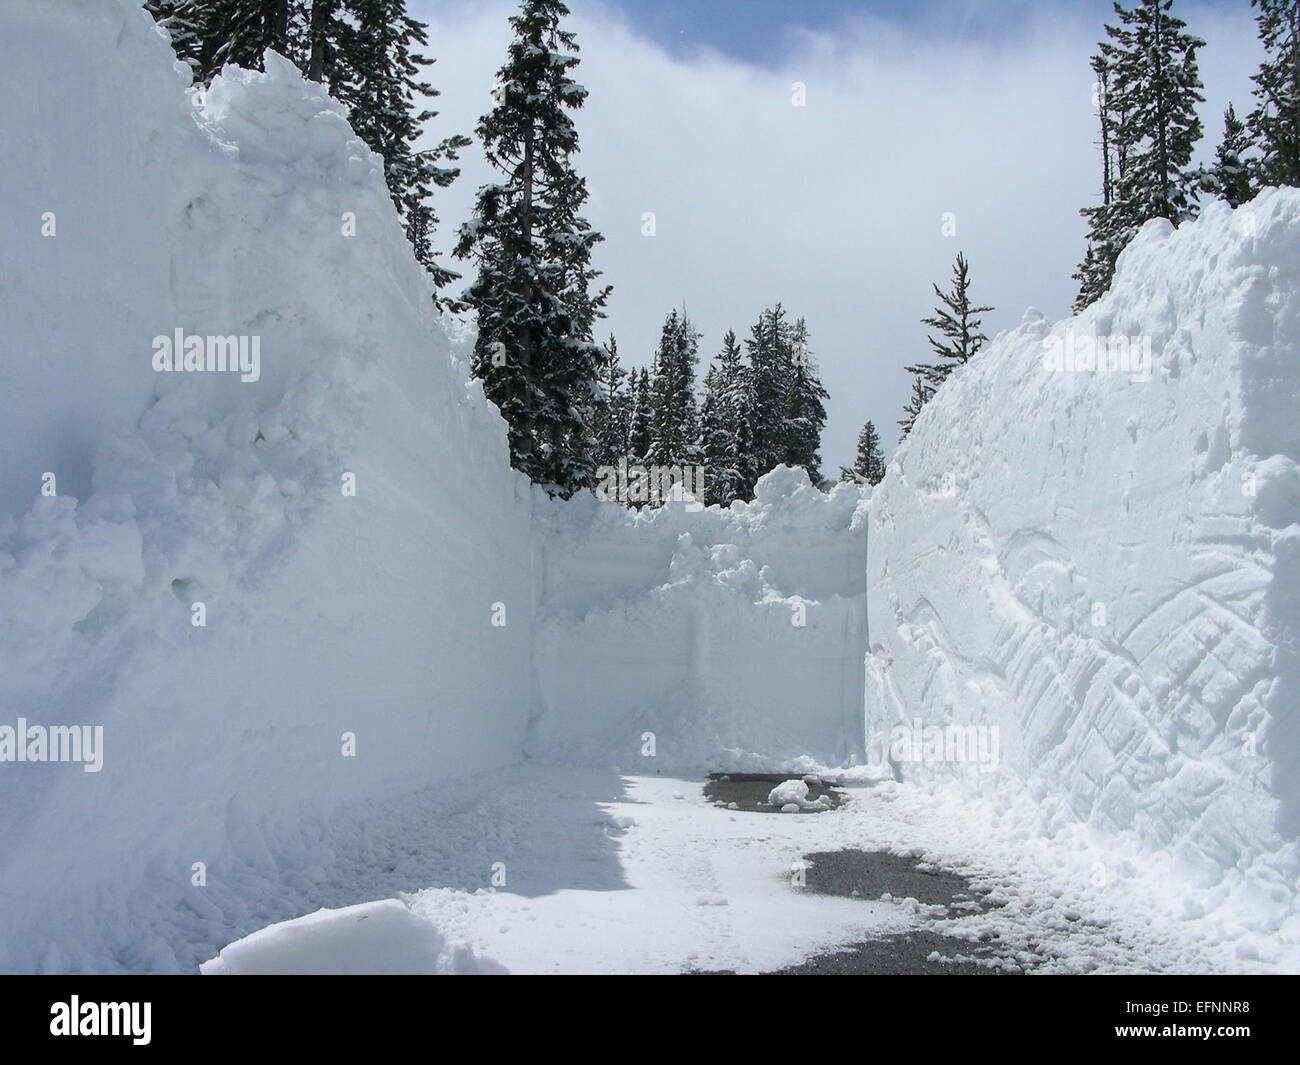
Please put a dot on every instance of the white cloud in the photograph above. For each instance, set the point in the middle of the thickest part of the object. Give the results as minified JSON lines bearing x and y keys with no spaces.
{"x":834,"y":208}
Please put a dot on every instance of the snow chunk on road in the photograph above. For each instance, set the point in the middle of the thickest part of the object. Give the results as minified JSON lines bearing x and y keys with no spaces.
{"x":791,"y":791}
{"x":373,"y":938}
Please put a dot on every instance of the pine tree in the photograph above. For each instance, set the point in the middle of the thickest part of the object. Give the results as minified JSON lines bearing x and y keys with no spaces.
{"x":770,"y":351}
{"x":725,"y":439}
{"x":641,"y":437}
{"x":217,"y":32}
{"x":1110,"y":227}
{"x":1229,"y":178}
{"x":1111,"y":223}
{"x":957,"y":323}
{"x":533,"y":250}
{"x":747,"y":466}
{"x":714,"y":439}
{"x":328,"y":36}
{"x":805,"y":407}
{"x":1157,"y":75}
{"x":611,"y":421}
{"x":1151,"y":89}
{"x":675,"y":417}
{"x":922,"y":393}
{"x":380,"y":84}
{"x":869,"y":465}
{"x":1275,"y":122}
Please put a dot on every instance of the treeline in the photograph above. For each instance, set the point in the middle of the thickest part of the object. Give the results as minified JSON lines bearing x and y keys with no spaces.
{"x":763,"y":406}
{"x":368,"y":54}
{"x":1147,"y":88}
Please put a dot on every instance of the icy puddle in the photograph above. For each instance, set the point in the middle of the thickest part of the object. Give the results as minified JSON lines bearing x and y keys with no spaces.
{"x":549,"y":870}
{"x":884,"y":876}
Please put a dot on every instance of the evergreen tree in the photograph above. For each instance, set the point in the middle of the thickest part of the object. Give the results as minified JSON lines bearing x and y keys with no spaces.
{"x":805,"y":407}
{"x":612,"y":416}
{"x":641,"y":437}
{"x":380,"y":85}
{"x":958,"y":325}
{"x":675,"y":417}
{"x":714,"y":438}
{"x":208,"y":34}
{"x":1229,"y":178}
{"x":869,"y":465}
{"x":329,"y":35}
{"x":771,"y":356}
{"x":533,"y":251}
{"x":747,"y":471}
{"x":1156,"y":72}
{"x":1151,"y":91}
{"x":1275,"y":122}
{"x":725,"y":438}
{"x":1110,"y":224}
{"x":922,"y":393}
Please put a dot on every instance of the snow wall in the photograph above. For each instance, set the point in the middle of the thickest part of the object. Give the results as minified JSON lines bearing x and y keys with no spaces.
{"x":1105,"y":567}
{"x":326,"y":613}
{"x":682,"y":639}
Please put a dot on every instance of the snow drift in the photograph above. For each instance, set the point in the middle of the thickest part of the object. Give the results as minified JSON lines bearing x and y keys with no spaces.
{"x":1105,"y":566}
{"x":326,"y":613}
{"x":382,"y":938}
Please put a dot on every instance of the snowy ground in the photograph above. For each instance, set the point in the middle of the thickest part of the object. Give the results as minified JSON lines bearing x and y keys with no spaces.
{"x":632,"y":874}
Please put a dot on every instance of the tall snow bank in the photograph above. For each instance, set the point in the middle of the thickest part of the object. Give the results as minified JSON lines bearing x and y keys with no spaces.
{"x":683,"y":639}
{"x":1106,"y":568}
{"x":130,"y":209}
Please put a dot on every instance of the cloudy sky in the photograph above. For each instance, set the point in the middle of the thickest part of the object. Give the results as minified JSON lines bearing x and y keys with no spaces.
{"x":914,"y":109}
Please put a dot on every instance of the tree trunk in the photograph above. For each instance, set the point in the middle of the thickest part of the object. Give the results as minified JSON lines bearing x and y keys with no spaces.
{"x":321,"y":10}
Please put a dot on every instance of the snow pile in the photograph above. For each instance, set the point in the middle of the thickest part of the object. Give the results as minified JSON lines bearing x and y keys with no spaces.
{"x":372,"y":939}
{"x":332,"y":621}
{"x":1104,"y":566}
{"x":788,"y":791}
{"x":682,"y":639}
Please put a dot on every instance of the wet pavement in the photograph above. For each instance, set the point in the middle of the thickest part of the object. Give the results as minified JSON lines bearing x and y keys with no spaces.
{"x":872,"y":876}
{"x":749,"y":791}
